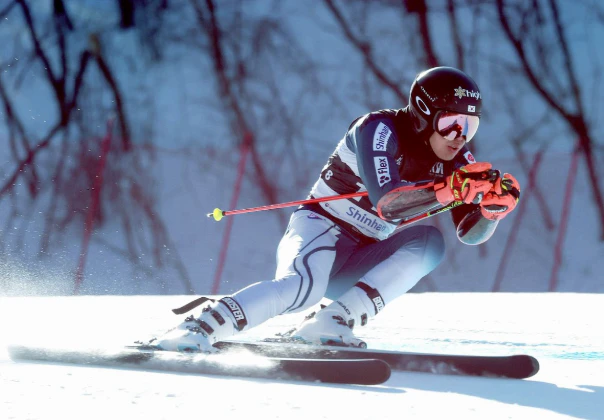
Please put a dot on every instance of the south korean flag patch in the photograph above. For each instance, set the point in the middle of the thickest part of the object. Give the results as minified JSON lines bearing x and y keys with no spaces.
{"x":469,"y":157}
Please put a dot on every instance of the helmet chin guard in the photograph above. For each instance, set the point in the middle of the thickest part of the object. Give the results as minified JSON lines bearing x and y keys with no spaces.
{"x":442,"y":89}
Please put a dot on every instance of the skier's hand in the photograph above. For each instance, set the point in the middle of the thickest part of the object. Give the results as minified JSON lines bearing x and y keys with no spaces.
{"x":501,"y":199}
{"x":468,"y":184}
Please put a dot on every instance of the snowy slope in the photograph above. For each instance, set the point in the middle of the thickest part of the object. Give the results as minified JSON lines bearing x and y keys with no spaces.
{"x":562,"y":330}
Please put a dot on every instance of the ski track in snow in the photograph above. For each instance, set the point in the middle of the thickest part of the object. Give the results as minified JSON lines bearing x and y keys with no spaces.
{"x":562,"y":330}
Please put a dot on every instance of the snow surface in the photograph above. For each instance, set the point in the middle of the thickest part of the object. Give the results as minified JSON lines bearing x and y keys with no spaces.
{"x":562,"y":330}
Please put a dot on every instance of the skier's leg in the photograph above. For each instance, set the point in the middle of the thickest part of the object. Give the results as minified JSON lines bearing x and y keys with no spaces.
{"x":374,"y":276}
{"x":306,"y":257}
{"x":312,"y":248}
{"x":423,"y":244}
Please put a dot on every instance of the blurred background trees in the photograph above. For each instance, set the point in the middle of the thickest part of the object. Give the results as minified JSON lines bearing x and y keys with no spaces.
{"x":278,"y":81}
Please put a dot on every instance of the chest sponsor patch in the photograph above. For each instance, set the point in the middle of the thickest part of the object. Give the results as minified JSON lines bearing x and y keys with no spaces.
{"x":382,"y":170}
{"x":469,"y":157}
{"x":357,"y":217}
{"x":380,"y":137}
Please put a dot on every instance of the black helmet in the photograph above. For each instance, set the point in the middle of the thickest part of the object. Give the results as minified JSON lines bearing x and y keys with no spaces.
{"x":442,"y":89}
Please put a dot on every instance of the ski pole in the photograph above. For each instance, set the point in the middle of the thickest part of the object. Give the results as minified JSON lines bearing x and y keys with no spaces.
{"x":490,"y":175}
{"x":218,"y":214}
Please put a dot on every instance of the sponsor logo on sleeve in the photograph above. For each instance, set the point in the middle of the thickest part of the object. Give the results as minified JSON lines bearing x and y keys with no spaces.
{"x":382,"y":170}
{"x":469,"y":157}
{"x":381,"y":137}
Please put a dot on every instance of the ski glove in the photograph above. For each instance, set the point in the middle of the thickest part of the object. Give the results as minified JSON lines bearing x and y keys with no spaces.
{"x":502,"y":198}
{"x":467,"y":184}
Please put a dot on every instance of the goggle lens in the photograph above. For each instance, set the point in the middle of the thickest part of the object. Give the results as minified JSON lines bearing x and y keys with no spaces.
{"x":452,"y":125}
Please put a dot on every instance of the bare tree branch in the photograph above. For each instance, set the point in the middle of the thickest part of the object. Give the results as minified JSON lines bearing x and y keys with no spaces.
{"x":119,"y":102}
{"x":68,"y":201}
{"x":458,"y":45}
{"x":29,"y":160}
{"x":364,"y":48}
{"x":57,"y":185}
{"x":576,"y":118}
{"x":420,"y":8}
{"x":13,"y":122}
{"x":208,"y":22}
{"x":40,"y":52}
{"x":4,"y":12}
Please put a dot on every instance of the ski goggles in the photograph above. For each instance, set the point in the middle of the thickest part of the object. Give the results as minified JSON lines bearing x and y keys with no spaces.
{"x":452,"y":125}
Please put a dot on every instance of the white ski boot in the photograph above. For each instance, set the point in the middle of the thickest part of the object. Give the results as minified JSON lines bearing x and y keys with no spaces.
{"x":327,"y":327}
{"x":333,"y":324}
{"x":199,"y":334}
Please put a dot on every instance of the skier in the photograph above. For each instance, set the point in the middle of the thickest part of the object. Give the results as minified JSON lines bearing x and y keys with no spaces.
{"x":348,"y":250}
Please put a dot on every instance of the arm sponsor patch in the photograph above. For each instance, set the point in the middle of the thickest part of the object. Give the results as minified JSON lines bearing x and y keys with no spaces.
{"x":380,"y":137}
{"x":382,"y":170}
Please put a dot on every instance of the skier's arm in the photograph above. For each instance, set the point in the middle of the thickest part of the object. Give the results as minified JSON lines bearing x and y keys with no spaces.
{"x":376,"y":146}
{"x":467,"y":184}
{"x":471,"y":226}
{"x":400,"y":204}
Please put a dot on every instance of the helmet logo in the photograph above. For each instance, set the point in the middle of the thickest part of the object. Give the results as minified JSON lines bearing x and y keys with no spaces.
{"x":422,"y":105}
{"x":427,"y":94}
{"x":461,"y":92}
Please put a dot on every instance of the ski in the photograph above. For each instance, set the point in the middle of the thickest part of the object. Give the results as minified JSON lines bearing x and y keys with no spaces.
{"x":358,"y":371}
{"x":515,"y":366}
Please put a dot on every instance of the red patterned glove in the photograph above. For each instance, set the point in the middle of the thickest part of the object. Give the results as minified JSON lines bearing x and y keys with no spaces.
{"x":467,"y":184}
{"x":502,"y":198}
